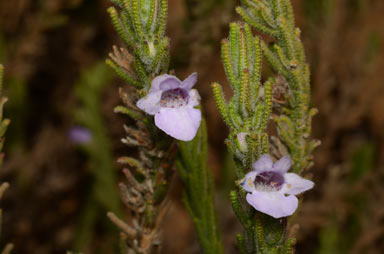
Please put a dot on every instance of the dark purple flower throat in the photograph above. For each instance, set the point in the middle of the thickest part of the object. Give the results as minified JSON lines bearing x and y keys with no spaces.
{"x":174,"y":98}
{"x":269,"y":181}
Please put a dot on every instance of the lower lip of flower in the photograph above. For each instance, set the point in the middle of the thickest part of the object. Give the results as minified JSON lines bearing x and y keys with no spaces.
{"x":269,"y":181}
{"x":174,"y":98}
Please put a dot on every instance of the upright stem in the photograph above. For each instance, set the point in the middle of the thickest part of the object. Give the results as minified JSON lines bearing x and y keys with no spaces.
{"x":141,"y":25}
{"x":249,"y":111}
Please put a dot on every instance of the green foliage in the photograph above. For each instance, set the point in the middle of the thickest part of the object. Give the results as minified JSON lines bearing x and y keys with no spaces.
{"x":198,"y":194}
{"x":340,"y":234}
{"x":17,"y":107}
{"x":141,"y":25}
{"x":247,"y":114}
{"x":249,"y":111}
{"x":374,"y":45}
{"x":103,"y":195}
{"x":287,"y":57}
{"x":338,"y":237}
{"x":317,"y":10}
{"x":329,"y":238}
{"x":362,"y":162}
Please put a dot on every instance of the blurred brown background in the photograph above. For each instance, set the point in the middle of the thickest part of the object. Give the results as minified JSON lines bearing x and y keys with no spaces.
{"x":48,"y":46}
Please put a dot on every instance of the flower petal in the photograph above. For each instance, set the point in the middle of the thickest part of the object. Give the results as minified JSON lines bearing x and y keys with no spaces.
{"x":274,"y":204}
{"x":150,"y":103}
{"x":180,"y":123}
{"x":189,"y":82}
{"x":282,"y":165}
{"x":164,"y":82}
{"x":194,"y":98}
{"x":248,"y":182}
{"x":295,"y":184}
{"x":264,"y":163}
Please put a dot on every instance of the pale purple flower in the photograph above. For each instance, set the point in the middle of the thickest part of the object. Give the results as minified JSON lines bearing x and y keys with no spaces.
{"x":271,"y":189}
{"x":80,"y":135}
{"x":172,"y":102}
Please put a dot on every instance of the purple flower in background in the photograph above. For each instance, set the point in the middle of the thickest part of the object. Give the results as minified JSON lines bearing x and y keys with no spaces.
{"x":172,"y":102}
{"x":80,"y":135}
{"x":271,"y":189}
